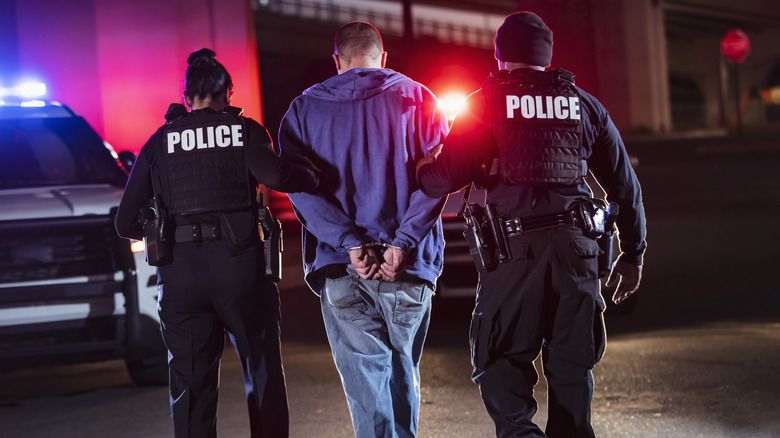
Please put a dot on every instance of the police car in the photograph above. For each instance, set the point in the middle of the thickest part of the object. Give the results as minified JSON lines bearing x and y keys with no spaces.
{"x":71,"y":290}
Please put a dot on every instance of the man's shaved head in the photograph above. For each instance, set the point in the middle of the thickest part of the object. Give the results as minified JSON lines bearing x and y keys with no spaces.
{"x":358,"y":39}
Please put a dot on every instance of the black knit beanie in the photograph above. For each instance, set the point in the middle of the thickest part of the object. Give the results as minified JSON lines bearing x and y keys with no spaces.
{"x":524,"y":38}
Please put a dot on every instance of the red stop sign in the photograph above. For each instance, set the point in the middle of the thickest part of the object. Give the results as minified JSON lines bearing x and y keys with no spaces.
{"x":735,"y":45}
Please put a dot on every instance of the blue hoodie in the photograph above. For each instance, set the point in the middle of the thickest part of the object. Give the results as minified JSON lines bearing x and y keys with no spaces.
{"x":366,"y":129}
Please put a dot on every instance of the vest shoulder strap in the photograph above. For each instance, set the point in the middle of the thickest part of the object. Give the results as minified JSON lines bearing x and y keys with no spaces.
{"x":563,"y":76}
{"x":175,"y":110}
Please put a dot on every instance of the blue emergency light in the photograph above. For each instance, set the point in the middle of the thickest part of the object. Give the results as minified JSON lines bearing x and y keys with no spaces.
{"x":25,"y":93}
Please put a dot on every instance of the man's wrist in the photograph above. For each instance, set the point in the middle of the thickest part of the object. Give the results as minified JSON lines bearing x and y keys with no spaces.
{"x":377,"y":245}
{"x":631,"y":259}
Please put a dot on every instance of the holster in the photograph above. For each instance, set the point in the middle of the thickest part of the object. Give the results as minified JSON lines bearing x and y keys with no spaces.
{"x":498,"y":233}
{"x":606,"y":240}
{"x":273,"y":245}
{"x":478,"y":235}
{"x":158,"y":233}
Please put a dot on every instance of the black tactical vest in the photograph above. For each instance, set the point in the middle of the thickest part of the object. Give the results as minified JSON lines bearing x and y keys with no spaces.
{"x":203,"y":163}
{"x":537,"y":124}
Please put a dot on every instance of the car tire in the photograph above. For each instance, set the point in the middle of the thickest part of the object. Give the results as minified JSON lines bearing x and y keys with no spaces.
{"x":147,"y":361}
{"x":148,"y":371}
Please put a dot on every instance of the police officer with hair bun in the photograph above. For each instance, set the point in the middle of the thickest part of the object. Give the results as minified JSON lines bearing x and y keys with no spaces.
{"x":530,"y":136}
{"x":203,"y":168}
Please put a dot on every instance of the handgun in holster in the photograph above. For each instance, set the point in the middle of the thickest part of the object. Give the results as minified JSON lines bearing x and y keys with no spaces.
{"x":158,"y":233}
{"x":272,"y":243}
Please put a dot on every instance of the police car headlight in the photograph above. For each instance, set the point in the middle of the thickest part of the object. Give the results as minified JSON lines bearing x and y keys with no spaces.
{"x":137,"y":246}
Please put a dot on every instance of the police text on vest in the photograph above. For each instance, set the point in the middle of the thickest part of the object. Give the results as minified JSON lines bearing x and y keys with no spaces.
{"x":544,"y":107}
{"x":221,"y":136}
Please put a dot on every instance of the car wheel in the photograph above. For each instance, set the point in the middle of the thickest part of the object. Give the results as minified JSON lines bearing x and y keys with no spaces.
{"x":149,"y":371}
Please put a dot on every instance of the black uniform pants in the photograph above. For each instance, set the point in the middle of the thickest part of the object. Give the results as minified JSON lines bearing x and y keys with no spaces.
{"x":205,"y":292}
{"x":545,"y":299}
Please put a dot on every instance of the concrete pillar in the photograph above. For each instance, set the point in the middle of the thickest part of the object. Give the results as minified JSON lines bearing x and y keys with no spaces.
{"x":617,"y":50}
{"x":632,"y":74}
{"x":646,"y":66}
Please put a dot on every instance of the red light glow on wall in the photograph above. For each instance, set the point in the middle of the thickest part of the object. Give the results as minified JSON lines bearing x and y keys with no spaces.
{"x":120,"y":64}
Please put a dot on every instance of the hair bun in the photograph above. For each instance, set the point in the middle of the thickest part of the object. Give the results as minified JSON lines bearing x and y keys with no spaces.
{"x":205,"y":76}
{"x":202,"y":57}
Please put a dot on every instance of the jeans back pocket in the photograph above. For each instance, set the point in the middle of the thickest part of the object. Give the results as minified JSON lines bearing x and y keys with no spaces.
{"x":343,"y":295}
{"x":411,"y":303}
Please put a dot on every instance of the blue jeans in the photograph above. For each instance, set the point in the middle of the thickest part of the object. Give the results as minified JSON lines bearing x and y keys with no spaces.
{"x":376,"y":331}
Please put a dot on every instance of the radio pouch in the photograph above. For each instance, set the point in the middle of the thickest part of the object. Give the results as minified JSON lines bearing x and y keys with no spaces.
{"x":593,"y":216}
{"x":606,"y":241}
{"x":478,"y":234}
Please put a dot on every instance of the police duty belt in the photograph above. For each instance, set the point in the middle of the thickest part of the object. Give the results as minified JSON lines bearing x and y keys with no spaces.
{"x":517,"y":226}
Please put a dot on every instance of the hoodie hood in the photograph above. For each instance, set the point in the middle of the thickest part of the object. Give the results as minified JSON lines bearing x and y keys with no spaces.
{"x":356,"y":84}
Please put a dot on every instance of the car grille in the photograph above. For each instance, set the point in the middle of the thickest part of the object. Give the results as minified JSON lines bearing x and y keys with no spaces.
{"x":55,"y":249}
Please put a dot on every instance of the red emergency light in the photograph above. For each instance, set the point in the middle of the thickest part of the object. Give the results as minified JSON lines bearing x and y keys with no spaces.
{"x":452,"y":103}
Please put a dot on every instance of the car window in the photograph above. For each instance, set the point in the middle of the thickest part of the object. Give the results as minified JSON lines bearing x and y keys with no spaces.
{"x":54,"y":151}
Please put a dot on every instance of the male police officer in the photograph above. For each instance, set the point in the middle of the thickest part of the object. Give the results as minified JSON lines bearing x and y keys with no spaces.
{"x":530,"y":136}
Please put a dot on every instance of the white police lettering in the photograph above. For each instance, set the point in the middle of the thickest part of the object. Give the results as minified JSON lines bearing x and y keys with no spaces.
{"x":220,"y":136}
{"x":543,"y":107}
{"x":512,"y":103}
{"x":223,"y":139}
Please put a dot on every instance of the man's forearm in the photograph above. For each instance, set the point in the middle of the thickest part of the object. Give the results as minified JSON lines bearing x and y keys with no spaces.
{"x":423,"y":213}
{"x":325,"y":221}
